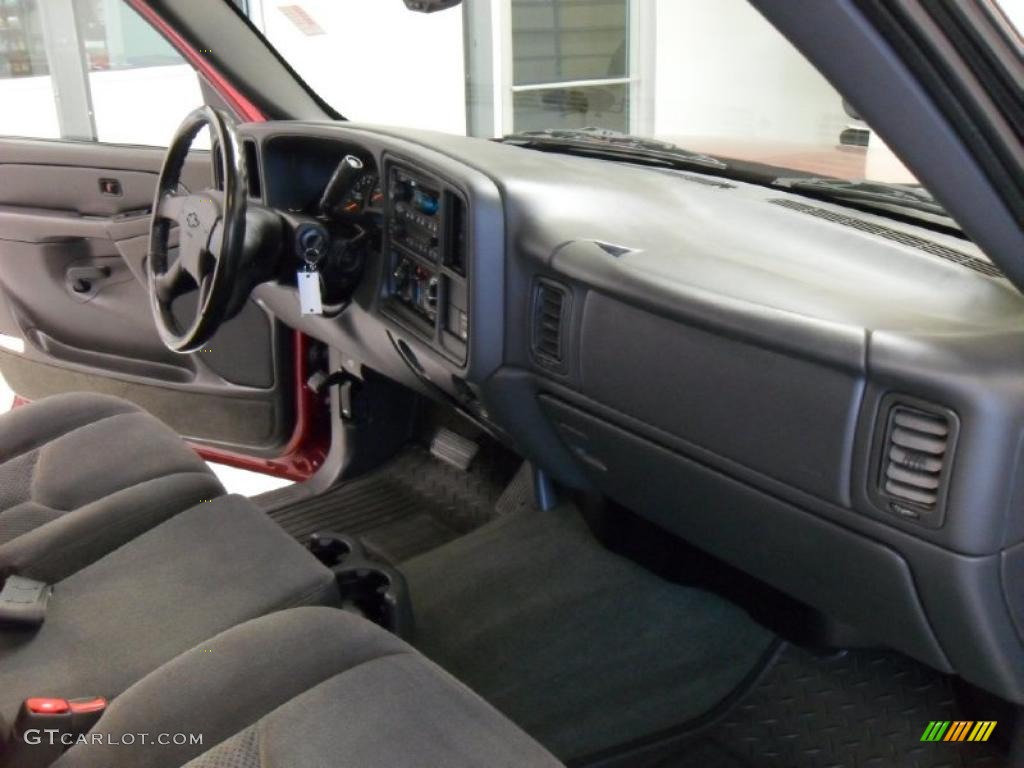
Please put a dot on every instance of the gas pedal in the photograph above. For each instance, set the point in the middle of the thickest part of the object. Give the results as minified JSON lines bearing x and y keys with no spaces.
{"x":452,"y":448}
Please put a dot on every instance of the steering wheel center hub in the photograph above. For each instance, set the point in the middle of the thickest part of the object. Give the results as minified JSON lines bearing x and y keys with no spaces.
{"x":197,"y":224}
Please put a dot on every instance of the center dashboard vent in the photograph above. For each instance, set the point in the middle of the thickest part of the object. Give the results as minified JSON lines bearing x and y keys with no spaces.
{"x":917,"y":454}
{"x":552,"y":308}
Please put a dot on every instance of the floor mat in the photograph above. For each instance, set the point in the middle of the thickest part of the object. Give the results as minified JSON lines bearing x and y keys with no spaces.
{"x":583,"y":649}
{"x":411,"y":505}
{"x":858,"y":709}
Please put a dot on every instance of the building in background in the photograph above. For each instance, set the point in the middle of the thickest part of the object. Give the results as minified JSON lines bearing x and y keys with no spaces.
{"x":21,"y":40}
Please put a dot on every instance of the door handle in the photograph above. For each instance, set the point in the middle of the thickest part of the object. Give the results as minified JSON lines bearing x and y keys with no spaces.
{"x":83,"y":280}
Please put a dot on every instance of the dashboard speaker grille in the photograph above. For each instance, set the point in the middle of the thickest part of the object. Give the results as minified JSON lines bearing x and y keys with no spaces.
{"x":895,"y":235}
{"x":551,"y":306}
{"x":707,"y":181}
{"x":916,"y":460}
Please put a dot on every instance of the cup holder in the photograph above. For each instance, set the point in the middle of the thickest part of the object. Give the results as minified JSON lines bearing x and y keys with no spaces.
{"x":371,"y":589}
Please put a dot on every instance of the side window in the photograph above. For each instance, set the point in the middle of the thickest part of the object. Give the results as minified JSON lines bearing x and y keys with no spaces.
{"x":90,"y":70}
{"x":25,"y":85}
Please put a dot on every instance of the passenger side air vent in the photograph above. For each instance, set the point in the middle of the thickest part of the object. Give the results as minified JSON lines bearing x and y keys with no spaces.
{"x":917,"y":454}
{"x":552,"y":305}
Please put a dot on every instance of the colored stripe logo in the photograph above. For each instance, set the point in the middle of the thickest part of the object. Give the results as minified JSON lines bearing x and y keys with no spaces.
{"x":958,"y":730}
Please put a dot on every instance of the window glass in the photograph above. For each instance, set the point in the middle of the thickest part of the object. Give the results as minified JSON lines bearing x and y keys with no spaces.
{"x":583,"y":43}
{"x":141,"y":87}
{"x":578,"y":106}
{"x":26,"y":92}
{"x":103,"y":75}
{"x":554,"y":40}
{"x":373,"y":59}
{"x":708,"y":75}
{"x":1013,"y":10}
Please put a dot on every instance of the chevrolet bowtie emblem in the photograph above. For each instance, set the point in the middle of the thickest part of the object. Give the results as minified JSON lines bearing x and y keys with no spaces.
{"x":192,"y":220}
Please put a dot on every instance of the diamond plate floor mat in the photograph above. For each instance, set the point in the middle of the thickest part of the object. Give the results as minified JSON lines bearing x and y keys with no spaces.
{"x":409,"y":506}
{"x":858,"y":709}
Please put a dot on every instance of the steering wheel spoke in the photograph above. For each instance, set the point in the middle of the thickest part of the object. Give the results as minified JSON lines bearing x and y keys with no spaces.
{"x":207,"y":266}
{"x":169,"y":206}
{"x":216,"y":242}
{"x":171,"y":284}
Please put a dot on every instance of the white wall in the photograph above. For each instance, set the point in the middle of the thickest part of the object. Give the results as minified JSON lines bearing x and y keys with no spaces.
{"x":1014,"y":10}
{"x":722,"y":70}
{"x":378,"y":62}
{"x":27,"y":108}
{"x":146,"y":105}
{"x":134,"y":106}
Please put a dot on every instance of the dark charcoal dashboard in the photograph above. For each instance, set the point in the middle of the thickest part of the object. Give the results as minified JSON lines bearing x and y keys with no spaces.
{"x":830,"y":400}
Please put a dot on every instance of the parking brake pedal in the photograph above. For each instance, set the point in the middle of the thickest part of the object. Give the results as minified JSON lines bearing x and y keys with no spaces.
{"x":452,"y":448}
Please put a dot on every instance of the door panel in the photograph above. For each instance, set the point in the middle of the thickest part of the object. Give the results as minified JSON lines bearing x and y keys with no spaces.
{"x":52,"y":187}
{"x":74,"y":220}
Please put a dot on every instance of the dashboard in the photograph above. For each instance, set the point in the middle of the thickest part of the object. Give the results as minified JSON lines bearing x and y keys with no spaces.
{"x":825,"y":398}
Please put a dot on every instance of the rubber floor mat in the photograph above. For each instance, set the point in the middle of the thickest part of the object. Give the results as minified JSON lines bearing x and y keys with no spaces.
{"x":411,"y":505}
{"x":857,"y":709}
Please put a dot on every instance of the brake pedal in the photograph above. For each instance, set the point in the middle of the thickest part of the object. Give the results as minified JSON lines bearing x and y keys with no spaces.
{"x":452,"y":448}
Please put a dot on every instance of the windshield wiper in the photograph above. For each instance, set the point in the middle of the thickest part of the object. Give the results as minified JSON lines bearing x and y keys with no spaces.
{"x":612,"y":145}
{"x":906,"y":196}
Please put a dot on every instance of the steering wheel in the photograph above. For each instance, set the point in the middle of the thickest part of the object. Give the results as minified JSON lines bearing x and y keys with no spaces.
{"x":211,"y":226}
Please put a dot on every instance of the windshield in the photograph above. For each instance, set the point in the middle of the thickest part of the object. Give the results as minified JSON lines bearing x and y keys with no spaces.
{"x":711,"y":76}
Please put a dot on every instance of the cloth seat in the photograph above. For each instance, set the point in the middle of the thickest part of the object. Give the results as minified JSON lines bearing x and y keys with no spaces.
{"x":81,"y":474}
{"x":306,"y":688}
{"x":113,"y":622}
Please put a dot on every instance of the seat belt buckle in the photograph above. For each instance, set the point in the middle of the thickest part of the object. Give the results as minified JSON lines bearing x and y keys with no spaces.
{"x":23,"y":601}
{"x":73,"y":716}
{"x":47,"y":726}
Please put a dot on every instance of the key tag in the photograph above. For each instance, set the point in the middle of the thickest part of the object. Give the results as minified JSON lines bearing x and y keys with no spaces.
{"x":311,"y":300}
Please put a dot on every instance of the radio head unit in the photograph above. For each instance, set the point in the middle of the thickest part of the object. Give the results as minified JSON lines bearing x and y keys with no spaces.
{"x":427,"y":281}
{"x":416,"y":214}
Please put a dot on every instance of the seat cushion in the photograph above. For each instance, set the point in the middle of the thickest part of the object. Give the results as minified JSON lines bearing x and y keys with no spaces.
{"x":81,"y":474}
{"x":111,"y":623}
{"x":303,"y":688}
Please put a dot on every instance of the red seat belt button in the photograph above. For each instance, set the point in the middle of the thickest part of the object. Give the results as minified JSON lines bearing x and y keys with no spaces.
{"x":47,"y":706}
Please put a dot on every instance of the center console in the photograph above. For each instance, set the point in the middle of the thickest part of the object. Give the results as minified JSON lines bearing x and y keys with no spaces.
{"x":426,"y":288}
